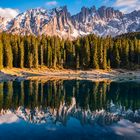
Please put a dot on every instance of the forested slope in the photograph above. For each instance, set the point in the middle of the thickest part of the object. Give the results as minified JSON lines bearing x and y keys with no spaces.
{"x":89,"y":52}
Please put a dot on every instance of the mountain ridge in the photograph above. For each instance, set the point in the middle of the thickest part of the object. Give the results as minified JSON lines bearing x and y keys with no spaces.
{"x":58,"y":21}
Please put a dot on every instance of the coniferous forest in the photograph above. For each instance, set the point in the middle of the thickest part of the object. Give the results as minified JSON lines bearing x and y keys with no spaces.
{"x":89,"y":52}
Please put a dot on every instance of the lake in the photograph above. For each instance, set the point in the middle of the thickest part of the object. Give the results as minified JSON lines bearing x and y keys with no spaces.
{"x":69,"y":110}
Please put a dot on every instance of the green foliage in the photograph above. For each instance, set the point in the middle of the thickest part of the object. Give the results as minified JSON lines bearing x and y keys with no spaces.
{"x":21,"y":54}
{"x":89,"y":52}
{"x":1,"y":55}
{"x":116,"y":55}
{"x":95,"y":62}
{"x":7,"y":55}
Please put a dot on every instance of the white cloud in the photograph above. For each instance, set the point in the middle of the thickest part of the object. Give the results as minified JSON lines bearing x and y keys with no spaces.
{"x":105,"y":1}
{"x":8,"y":12}
{"x":127,"y":5}
{"x":51,"y":3}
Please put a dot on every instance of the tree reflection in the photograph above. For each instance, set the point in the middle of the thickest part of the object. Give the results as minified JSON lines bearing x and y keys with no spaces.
{"x":88,"y":95}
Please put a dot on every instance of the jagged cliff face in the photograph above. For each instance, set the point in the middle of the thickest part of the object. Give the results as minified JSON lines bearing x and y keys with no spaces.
{"x":42,"y":21}
{"x":58,"y":21}
{"x":100,"y":21}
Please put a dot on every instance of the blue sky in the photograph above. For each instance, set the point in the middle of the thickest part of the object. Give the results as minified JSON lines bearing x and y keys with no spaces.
{"x":74,"y":6}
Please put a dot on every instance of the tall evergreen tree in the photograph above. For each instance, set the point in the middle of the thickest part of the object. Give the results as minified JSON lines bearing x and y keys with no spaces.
{"x":8,"y":56}
{"x":34,"y":51}
{"x":77,"y":50}
{"x":41,"y":54}
{"x":116,"y":56}
{"x":21,"y":54}
{"x":1,"y":55}
{"x":14,"y":46}
{"x":100,"y":54}
{"x":95,"y":56}
{"x":131,"y":54}
{"x":104,"y":57}
{"x":85,"y":52}
{"x":49,"y":55}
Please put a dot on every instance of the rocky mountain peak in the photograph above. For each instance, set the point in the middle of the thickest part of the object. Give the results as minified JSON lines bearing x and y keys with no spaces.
{"x":109,"y":12}
{"x":89,"y":14}
{"x":58,"y":21}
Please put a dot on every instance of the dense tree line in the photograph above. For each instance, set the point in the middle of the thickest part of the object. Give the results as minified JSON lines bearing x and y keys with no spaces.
{"x":131,"y":35}
{"x":89,"y":52}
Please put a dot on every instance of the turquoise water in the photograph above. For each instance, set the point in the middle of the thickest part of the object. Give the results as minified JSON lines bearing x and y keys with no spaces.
{"x":69,"y":109}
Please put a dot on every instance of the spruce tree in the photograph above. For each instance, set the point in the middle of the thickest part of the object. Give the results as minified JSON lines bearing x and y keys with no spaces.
{"x":69,"y":54}
{"x":41,"y":54}
{"x":125,"y":53}
{"x":100,"y":54}
{"x":49,"y":55}
{"x":30,"y":59}
{"x":104,"y":57}
{"x":85,"y":52}
{"x":15,"y":51}
{"x":77,"y":51}
{"x":1,"y":55}
{"x":131,"y":54}
{"x":21,"y":54}
{"x":95,"y":56}
{"x":8,"y":56}
{"x":34,"y":51}
{"x":116,"y":56}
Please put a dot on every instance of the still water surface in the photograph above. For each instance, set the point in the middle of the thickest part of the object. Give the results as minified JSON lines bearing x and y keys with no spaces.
{"x":69,"y":110}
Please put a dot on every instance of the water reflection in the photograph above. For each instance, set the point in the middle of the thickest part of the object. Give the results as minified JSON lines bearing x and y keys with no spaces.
{"x":57,"y":101}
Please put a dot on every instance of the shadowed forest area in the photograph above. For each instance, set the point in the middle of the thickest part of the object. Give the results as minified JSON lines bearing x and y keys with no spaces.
{"x":89,"y":52}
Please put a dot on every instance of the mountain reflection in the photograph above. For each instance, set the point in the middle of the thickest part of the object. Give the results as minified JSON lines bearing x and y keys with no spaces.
{"x":57,"y":101}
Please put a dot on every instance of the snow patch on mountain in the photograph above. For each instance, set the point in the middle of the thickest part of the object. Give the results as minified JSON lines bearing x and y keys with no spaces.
{"x":58,"y":21}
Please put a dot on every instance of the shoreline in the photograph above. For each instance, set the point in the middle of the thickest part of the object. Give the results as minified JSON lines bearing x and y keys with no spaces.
{"x":45,"y":73}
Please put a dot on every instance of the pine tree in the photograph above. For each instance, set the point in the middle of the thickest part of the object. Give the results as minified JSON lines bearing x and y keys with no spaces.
{"x":14,"y":46}
{"x":131,"y":54}
{"x":41,"y":54}
{"x":1,"y":55}
{"x":63,"y":54}
{"x":8,"y":56}
{"x":69,"y":54}
{"x":55,"y":52}
{"x":77,"y":49}
{"x":21,"y":54}
{"x":49,"y":55}
{"x":34,"y":51}
{"x":26,"y":50}
{"x":116,"y":56}
{"x":58,"y":52}
{"x":44,"y":50}
{"x":100,"y":54}
{"x":53,"y":46}
{"x":85,"y":53}
{"x":125,"y":53}
{"x":30,"y":60}
{"x":95,"y":56}
{"x":104,"y":57}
